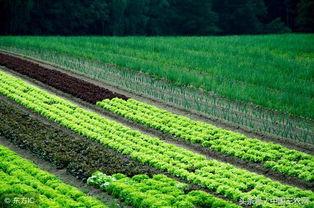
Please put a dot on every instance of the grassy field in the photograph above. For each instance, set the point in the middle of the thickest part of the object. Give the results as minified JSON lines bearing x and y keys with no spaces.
{"x":275,"y":71}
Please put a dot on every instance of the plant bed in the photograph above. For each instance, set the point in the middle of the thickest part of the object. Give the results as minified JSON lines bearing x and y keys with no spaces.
{"x":295,"y":176}
{"x":79,"y":88}
{"x":23,"y":184}
{"x":81,"y":157}
{"x":217,"y":177}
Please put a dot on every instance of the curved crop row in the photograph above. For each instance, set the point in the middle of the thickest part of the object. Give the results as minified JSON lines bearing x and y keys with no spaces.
{"x":262,"y":73}
{"x":159,"y":191}
{"x":79,"y":88}
{"x":23,"y":183}
{"x":274,"y":156}
{"x":80,"y":157}
{"x":234,"y":183}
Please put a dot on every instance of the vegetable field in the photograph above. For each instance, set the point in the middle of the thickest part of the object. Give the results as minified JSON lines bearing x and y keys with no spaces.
{"x":261,"y":83}
{"x":147,"y":122}
{"x":20,"y":177}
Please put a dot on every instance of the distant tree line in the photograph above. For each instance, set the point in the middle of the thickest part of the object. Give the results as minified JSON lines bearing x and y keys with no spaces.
{"x":155,"y":17}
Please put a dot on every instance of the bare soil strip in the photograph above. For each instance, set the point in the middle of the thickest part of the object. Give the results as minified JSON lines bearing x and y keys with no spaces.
{"x":253,"y":167}
{"x":79,"y":88}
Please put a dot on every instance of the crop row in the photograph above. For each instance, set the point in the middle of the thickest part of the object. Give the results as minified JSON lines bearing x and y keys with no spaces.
{"x":223,"y":66}
{"x":270,"y":155}
{"x":82,"y":89}
{"x":159,"y":191}
{"x":79,"y":156}
{"x":23,"y":183}
{"x":218,"y":177}
{"x":274,"y":156}
{"x":238,"y":114}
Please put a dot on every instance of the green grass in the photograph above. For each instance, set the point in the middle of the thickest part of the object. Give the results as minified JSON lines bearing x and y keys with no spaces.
{"x":273,"y":71}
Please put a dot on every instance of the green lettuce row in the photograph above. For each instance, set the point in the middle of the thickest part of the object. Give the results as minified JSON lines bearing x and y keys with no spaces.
{"x":233,"y":183}
{"x":273,"y":156}
{"x":158,"y":191}
{"x":19,"y":178}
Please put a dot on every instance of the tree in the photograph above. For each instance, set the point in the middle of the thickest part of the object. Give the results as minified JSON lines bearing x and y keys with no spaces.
{"x":276,"y":26}
{"x":117,"y":12}
{"x":275,"y":9}
{"x":16,"y":15}
{"x":97,"y":17}
{"x":135,"y":17}
{"x":305,"y":18}
{"x":157,"y":14}
{"x":240,"y":16}
{"x":154,"y":17}
{"x":291,"y":13}
{"x":190,"y":17}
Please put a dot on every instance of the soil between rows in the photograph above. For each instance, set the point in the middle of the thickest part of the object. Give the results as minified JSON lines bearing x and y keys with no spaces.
{"x":63,"y":175}
{"x":80,"y":156}
{"x":71,"y":156}
{"x":253,"y":167}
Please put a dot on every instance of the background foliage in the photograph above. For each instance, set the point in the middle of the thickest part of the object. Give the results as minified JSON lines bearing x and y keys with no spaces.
{"x":155,"y":17}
